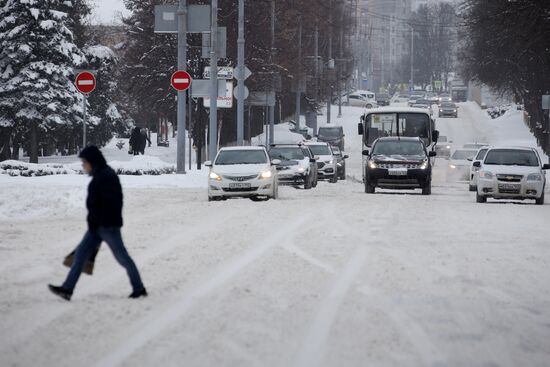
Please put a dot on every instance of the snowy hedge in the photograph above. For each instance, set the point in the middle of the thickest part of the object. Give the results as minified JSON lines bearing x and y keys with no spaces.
{"x":138,"y":166}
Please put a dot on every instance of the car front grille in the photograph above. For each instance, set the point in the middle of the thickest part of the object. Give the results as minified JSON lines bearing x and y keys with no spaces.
{"x":509,"y":178}
{"x":240,"y":178}
{"x":509,"y":190}
{"x":320,"y":165}
{"x":247,"y":189}
{"x":398,"y":165}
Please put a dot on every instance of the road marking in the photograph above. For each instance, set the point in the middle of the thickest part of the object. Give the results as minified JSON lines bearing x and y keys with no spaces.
{"x":312,"y":351}
{"x":154,"y":325}
{"x":295,"y":250}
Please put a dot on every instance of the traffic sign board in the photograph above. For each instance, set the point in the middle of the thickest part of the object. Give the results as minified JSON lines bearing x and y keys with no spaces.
{"x":236,"y":94}
{"x":85,"y":82}
{"x":247,"y":73}
{"x":224,"y":72}
{"x":181,"y":80}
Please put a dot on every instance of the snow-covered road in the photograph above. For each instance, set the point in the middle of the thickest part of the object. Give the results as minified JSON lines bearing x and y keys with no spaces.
{"x":327,"y":277}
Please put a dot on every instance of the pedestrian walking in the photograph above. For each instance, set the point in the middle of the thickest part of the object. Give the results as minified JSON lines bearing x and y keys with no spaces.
{"x":104,"y":219}
{"x":144,"y":138}
{"x":135,"y":141}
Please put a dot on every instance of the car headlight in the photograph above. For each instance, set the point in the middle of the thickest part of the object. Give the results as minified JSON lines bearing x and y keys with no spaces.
{"x":330,"y":162}
{"x":424,"y":165}
{"x":452,"y":166}
{"x":266,"y":174}
{"x":486,"y":174}
{"x":301,"y":169}
{"x":448,"y":147}
{"x":214,"y":176}
{"x":534,"y":177}
{"x":373,"y":165}
{"x":454,"y":110}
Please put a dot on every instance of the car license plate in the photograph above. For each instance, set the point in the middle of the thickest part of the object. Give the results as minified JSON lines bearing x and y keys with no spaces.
{"x":239,"y":186}
{"x":397,"y":171}
{"x":506,"y":186}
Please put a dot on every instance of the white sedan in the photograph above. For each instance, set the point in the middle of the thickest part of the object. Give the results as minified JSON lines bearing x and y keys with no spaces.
{"x":243,"y":172}
{"x":511,"y":173}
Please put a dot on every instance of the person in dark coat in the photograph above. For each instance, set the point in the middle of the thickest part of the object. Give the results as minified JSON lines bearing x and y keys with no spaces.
{"x":143,"y":141}
{"x":104,"y":219}
{"x":135,"y":141}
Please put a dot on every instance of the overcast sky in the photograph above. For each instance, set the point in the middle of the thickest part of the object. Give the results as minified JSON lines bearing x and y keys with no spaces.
{"x":108,"y":11}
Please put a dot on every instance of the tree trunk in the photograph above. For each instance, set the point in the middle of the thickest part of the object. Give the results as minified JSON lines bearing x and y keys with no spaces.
{"x":33,"y":149}
{"x":16,"y":147}
{"x":5,"y":152}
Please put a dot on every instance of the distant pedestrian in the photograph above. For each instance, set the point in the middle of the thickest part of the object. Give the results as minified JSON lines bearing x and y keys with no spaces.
{"x":135,"y":141}
{"x":143,"y":141}
{"x":104,"y":205}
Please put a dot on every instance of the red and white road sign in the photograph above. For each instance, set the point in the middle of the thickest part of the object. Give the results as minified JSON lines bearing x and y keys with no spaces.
{"x":85,"y":82}
{"x":181,"y":80}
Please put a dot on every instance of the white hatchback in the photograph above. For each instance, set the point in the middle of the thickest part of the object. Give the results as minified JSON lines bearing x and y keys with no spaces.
{"x":242,"y":172}
{"x":511,"y":173}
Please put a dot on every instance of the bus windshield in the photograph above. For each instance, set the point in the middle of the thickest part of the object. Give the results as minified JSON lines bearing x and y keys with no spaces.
{"x":408,"y":124}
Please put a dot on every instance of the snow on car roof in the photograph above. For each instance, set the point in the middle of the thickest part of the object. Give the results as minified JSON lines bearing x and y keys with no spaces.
{"x":393,"y":109}
{"x":513,"y":147}
{"x":316,"y":143}
{"x":243,"y":148}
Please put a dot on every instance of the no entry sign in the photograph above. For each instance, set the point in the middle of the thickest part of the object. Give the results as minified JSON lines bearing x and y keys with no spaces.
{"x":85,"y":82}
{"x":181,"y":80}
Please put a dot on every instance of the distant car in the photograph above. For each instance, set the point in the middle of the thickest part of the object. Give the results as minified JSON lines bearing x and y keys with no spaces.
{"x":424,"y":101}
{"x":444,"y":98}
{"x":401,"y":98}
{"x":364,"y":99}
{"x":303,"y":130}
{"x":340,"y":162}
{"x":480,"y":156}
{"x":459,"y":164}
{"x":447,"y":109}
{"x":242,"y":172}
{"x":511,"y":173}
{"x":415,"y":97}
{"x":326,"y":161}
{"x":383,"y":99}
{"x":423,"y":105}
{"x":334,"y":135}
{"x":398,"y":163}
{"x":297,"y":166}
{"x":474,"y":145}
{"x":443,"y":147}
{"x":356,"y":100}
{"x":434,"y":99}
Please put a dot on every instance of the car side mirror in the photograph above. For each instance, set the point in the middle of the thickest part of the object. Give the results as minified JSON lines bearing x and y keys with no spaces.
{"x":477,"y":164}
{"x":431,"y":153}
{"x":208,"y":163}
{"x":312,"y":160}
{"x":365,"y":152}
{"x":435,"y":136}
{"x":346,"y":157}
{"x":275,"y":162}
{"x":546,"y":166}
{"x":360,"y":129}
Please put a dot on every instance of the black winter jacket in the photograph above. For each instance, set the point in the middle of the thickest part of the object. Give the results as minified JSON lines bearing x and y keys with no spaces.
{"x":105,"y":198}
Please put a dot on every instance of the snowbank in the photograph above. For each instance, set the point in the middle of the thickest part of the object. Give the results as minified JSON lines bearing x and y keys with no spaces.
{"x":18,"y":168}
{"x":283,"y":135}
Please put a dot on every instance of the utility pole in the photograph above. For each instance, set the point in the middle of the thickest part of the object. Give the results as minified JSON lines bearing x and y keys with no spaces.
{"x":182,"y":95}
{"x":272,"y":108}
{"x":316,"y":94}
{"x":412,"y":58}
{"x":340,"y":62}
{"x":213,"y":128}
{"x":240,"y":73}
{"x":299,"y":77}
{"x":329,"y":60}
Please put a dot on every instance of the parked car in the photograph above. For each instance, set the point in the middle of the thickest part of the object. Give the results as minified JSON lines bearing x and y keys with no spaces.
{"x":511,"y":173}
{"x":443,"y":147}
{"x":334,"y":135}
{"x":297,"y":166}
{"x":480,"y":156}
{"x":302,"y":131}
{"x":326,"y":162}
{"x":398,"y":163}
{"x":448,"y":109}
{"x":242,"y":172}
{"x":364,"y":99}
{"x":340,"y":162}
{"x":459,"y":165}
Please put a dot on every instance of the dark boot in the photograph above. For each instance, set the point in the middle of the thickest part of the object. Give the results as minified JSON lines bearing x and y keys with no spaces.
{"x":137,"y":294}
{"x":61,"y":292}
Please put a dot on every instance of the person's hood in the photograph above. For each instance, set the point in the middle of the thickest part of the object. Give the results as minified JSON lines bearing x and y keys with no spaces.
{"x":93,"y":155}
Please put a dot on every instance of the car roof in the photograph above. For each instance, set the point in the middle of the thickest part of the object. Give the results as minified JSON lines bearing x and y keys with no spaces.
{"x":399,"y":138}
{"x":513,"y":148}
{"x":316,"y":143}
{"x":394,"y":109}
{"x":243,"y":148}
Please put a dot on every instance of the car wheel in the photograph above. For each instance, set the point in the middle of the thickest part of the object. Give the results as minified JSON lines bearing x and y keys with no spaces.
{"x":540,"y":201}
{"x":481,"y":198}
{"x":334,"y":178}
{"x":427,"y":190}
{"x":369,"y":189}
{"x":210,"y":198}
{"x":473,"y":188}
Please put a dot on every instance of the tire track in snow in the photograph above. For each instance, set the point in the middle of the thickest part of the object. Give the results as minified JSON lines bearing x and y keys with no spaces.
{"x":148,"y":329}
{"x":311,"y":353}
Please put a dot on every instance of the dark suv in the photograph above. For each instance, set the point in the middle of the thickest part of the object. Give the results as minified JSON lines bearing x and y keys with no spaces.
{"x":334,"y":135}
{"x":398,"y":163}
{"x":298,"y":165}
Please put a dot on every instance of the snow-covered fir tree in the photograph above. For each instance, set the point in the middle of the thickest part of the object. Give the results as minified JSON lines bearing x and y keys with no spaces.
{"x":37,"y":57}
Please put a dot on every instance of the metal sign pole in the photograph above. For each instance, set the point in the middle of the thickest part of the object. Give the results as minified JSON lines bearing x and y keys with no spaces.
{"x":85,"y":97}
{"x":271,"y":109}
{"x":240,"y":72}
{"x":182,"y":95}
{"x":299,"y":77}
{"x":214,"y":83}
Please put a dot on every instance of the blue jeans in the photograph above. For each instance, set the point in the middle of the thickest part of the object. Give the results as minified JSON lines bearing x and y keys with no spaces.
{"x":90,"y":242}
